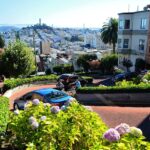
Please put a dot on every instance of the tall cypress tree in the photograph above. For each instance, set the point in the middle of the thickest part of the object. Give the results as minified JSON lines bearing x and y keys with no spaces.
{"x":2,"y":43}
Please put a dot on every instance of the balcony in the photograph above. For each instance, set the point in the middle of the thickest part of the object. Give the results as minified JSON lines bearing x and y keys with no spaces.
{"x":130,"y":52}
{"x":132,"y":32}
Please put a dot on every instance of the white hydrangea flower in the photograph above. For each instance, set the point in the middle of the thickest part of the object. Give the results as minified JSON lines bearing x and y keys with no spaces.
{"x":35,"y":125}
{"x":36,"y":102}
{"x":55,"y":109}
{"x":136,"y":131}
{"x":145,"y":80}
{"x":88,"y":108}
{"x":63,"y":107}
{"x":32,"y":119}
{"x":16,"y":112}
{"x":43,"y":118}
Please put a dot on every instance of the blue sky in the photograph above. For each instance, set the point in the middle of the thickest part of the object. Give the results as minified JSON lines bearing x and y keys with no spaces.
{"x":65,"y":13}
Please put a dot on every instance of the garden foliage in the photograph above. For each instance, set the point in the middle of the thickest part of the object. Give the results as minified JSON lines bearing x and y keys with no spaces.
{"x":40,"y":126}
{"x":120,"y":87}
{"x":4,"y":113}
{"x":71,"y":127}
{"x":12,"y":83}
{"x":18,"y":60}
{"x":60,"y":69}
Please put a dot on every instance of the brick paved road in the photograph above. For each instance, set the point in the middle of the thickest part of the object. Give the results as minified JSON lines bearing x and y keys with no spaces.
{"x":26,"y":90}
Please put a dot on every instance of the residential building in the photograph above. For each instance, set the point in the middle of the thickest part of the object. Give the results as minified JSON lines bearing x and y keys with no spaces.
{"x":134,"y":36}
{"x":94,"y":41}
{"x":45,"y":47}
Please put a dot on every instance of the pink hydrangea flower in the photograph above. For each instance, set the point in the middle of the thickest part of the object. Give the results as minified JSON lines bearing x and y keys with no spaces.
{"x":123,"y":128}
{"x":36,"y":102}
{"x":111,"y":135}
{"x":55,"y":109}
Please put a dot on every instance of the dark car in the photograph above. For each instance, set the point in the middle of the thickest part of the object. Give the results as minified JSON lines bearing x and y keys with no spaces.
{"x":47,"y":95}
{"x":119,"y":77}
{"x":69,"y":79}
{"x":125,"y":76}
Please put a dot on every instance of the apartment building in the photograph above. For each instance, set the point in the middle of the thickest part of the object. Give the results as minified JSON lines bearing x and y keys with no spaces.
{"x":134,"y":36}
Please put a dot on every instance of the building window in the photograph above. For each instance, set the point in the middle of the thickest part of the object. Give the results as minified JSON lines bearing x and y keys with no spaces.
{"x":141,"y":44}
{"x":121,"y":24}
{"x":143,"y":23}
{"x":127,"y":24}
{"x":125,"y":43}
{"x":119,"y":43}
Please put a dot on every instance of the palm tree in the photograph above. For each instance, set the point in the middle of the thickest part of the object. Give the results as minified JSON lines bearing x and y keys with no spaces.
{"x":109,"y":32}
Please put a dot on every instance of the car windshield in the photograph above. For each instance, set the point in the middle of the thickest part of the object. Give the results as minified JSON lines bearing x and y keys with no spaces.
{"x":55,"y":95}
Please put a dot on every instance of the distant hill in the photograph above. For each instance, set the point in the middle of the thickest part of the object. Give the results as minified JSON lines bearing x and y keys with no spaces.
{"x":8,"y":28}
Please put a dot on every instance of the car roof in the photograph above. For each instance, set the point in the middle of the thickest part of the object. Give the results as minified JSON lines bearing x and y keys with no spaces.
{"x":45,"y":91}
{"x":69,"y":75}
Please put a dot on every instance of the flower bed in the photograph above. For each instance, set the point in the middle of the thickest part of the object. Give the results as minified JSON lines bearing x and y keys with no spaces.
{"x":71,"y":127}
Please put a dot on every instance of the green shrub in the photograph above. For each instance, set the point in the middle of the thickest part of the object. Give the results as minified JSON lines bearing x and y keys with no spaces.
{"x":147,"y":76}
{"x":11,"y":83}
{"x":88,"y":79}
{"x":118,"y":71}
{"x":121,"y":87}
{"x":73,"y":128}
{"x":60,"y":69}
{"x":4,"y":113}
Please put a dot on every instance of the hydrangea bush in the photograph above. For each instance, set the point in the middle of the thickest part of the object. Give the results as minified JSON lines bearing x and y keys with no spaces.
{"x":70,"y":127}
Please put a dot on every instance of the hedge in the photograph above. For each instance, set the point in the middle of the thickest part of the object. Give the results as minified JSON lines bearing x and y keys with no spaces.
{"x":4,"y":113}
{"x":116,"y":89}
{"x":12,"y":83}
{"x":88,"y":79}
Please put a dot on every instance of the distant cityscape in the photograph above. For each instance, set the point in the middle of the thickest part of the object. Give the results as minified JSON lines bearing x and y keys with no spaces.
{"x":55,"y":46}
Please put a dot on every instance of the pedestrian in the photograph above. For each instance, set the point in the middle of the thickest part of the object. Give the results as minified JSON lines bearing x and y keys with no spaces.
{"x":77,"y":84}
{"x":60,"y":85}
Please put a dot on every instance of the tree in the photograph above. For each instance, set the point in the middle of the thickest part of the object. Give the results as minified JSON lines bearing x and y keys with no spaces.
{"x":83,"y":61}
{"x":140,"y":64}
{"x":18,"y":60}
{"x":108,"y":62}
{"x":2,"y":43}
{"x":127,"y":63}
{"x":109,"y":32}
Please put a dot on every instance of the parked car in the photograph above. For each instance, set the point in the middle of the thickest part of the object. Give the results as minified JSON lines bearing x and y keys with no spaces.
{"x":46,"y":95}
{"x":68,"y":79}
{"x":119,"y":77}
{"x":124,"y":76}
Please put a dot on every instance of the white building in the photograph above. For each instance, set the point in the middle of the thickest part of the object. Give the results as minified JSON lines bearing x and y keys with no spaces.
{"x":95,"y":41}
{"x":134,"y":36}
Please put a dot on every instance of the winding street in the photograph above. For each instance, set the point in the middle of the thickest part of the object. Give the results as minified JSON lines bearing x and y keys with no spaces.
{"x":111,"y":115}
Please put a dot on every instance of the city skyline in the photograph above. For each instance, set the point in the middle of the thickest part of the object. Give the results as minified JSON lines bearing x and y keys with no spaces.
{"x":66,"y":13}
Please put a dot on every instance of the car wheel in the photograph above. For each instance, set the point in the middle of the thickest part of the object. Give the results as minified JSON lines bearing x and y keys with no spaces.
{"x":16,"y":106}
